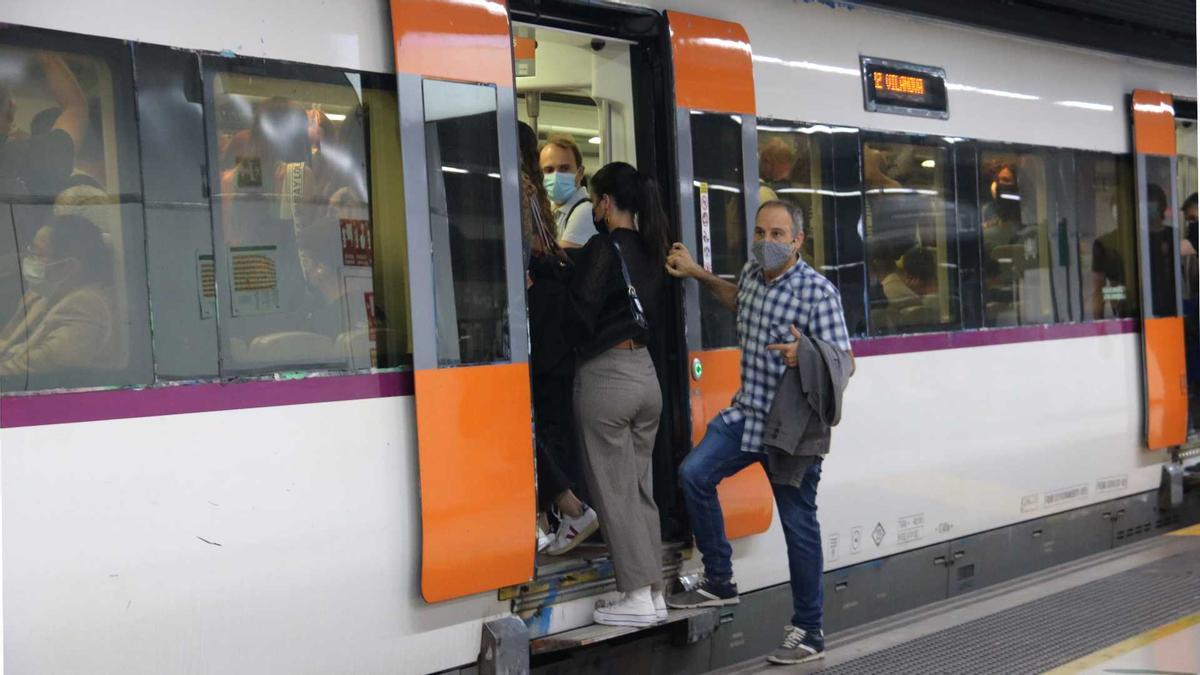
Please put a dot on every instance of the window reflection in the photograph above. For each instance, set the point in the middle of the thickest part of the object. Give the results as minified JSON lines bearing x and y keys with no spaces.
{"x":466,"y":224}
{"x":1107,"y":247}
{"x":911,"y":241}
{"x":294,"y":222}
{"x":71,"y":256}
{"x":793,"y":166}
{"x":720,"y":223}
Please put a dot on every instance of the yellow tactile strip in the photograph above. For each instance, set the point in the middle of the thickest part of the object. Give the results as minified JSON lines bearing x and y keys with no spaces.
{"x":1125,"y":646}
{"x":1193,"y":531}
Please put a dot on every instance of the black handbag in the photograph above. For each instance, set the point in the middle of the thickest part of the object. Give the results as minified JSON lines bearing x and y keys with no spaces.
{"x":635,"y":304}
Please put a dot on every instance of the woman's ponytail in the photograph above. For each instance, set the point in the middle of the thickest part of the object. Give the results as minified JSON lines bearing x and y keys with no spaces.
{"x":651,"y":216}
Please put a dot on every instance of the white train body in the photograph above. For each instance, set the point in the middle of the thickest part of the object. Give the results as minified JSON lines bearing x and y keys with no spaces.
{"x":286,"y":538}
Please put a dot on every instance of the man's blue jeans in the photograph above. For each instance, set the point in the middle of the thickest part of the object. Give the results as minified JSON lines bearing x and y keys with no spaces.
{"x":718,"y":456}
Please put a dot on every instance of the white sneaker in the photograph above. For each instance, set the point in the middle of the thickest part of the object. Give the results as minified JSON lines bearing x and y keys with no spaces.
{"x":632,"y":609}
{"x":660,"y":606}
{"x":544,"y":539}
{"x":572,"y":531}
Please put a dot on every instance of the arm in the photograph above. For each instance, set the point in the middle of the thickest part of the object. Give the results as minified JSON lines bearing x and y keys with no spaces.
{"x":66,"y":91}
{"x":681,"y":266}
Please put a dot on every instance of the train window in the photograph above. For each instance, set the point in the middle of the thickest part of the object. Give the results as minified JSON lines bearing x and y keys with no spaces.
{"x":1161,"y":237}
{"x":794,"y":164}
{"x":292,"y":219}
{"x":720,"y":219}
{"x":1025,"y":252}
{"x":910,"y":235}
{"x":1107,"y":244}
{"x":462,"y":156}
{"x":179,"y":239}
{"x":72,"y":282}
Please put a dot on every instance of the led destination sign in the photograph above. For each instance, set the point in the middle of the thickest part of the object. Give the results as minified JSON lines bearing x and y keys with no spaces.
{"x":904,"y":88}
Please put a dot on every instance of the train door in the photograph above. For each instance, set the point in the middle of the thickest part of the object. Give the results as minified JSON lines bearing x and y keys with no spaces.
{"x":454,"y":79}
{"x":716,"y":144}
{"x":1162,"y":254}
{"x":592,"y":87}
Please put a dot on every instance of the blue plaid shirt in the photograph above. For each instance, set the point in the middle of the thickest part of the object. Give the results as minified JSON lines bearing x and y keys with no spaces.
{"x":800,"y":296}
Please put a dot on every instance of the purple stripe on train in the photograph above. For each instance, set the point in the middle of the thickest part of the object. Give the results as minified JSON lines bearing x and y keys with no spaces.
{"x":904,"y":344}
{"x":90,"y":406}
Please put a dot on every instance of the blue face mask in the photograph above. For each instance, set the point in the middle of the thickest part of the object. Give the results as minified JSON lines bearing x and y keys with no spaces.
{"x":560,"y":186}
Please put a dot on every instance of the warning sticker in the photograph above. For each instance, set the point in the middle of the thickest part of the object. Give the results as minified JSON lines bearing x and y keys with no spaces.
{"x":1066,"y":494}
{"x":855,"y":540}
{"x":255,"y":279}
{"x":1112,"y":483}
{"x":909,"y":528}
{"x":206,"y":278}
{"x":705,"y":229}
{"x":833,"y":546}
{"x":1030,"y":503}
{"x":356,"y":243}
{"x":878,"y":534}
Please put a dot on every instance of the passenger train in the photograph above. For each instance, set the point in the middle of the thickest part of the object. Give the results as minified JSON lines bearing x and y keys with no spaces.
{"x":268,"y":410}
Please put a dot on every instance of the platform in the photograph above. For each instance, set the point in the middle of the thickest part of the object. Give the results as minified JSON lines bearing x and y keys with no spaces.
{"x":1132,"y":610}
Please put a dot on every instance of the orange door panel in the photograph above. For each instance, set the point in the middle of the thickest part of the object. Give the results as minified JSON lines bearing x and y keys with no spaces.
{"x":477,"y":497}
{"x":1166,"y":382}
{"x":746,"y":496}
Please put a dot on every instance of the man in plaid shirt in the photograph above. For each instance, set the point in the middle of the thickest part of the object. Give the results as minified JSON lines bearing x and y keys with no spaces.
{"x":778,"y":297}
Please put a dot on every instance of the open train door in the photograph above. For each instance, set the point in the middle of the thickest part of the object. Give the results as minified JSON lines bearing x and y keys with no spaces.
{"x":1165,"y":373}
{"x":454,"y":80}
{"x":716,"y":143}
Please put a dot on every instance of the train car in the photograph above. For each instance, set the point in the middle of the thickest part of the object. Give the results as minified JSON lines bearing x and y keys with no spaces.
{"x":266,"y":406}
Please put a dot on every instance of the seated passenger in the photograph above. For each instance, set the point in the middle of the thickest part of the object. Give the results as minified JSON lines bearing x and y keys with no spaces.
{"x":67,"y":323}
{"x":920,"y":271}
{"x":39,"y":164}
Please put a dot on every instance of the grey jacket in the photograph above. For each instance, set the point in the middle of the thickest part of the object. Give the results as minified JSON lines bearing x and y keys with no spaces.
{"x":806,"y":407}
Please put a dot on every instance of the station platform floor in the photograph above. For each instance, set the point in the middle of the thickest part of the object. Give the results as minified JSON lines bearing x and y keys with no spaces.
{"x":1133,"y":610}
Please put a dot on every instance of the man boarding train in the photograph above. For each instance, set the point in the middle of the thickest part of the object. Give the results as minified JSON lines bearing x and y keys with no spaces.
{"x":792,"y":331}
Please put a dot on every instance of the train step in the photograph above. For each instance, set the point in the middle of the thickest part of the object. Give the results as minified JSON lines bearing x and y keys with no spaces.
{"x":690,"y":625}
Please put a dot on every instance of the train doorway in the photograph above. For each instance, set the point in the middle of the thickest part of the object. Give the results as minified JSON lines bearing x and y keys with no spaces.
{"x":594,"y":94}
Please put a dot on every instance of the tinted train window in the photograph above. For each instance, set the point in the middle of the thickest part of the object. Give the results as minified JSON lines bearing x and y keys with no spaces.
{"x":910,"y":236}
{"x":1023,"y":198}
{"x":794,"y":165}
{"x":462,"y":156}
{"x":1107,"y":244}
{"x":1162,"y":239}
{"x":294,"y":265}
{"x":720,"y":219}
{"x":73,"y":307}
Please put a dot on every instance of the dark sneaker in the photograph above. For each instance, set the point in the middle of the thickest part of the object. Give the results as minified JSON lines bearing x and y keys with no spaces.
{"x":799,"y":646}
{"x":707,"y":594}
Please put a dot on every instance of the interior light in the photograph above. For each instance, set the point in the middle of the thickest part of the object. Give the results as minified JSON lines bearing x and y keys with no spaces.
{"x":336,"y":117}
{"x":929,"y":164}
{"x":594,"y":140}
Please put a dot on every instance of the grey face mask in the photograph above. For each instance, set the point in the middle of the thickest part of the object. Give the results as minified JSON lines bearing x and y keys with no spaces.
{"x":771,"y":254}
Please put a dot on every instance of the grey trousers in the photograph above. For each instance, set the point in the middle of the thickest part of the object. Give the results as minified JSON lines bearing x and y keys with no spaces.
{"x":617,"y":406}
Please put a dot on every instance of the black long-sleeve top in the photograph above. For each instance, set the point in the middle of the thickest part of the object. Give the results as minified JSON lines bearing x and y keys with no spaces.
{"x":601,"y":299}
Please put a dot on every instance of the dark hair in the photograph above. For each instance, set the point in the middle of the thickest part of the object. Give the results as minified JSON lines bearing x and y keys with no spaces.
{"x":636,"y":192}
{"x":72,"y":236}
{"x":1189,"y":203}
{"x":920,"y":263}
{"x":527,"y":146}
{"x":566,"y":143}
{"x":793,"y":212}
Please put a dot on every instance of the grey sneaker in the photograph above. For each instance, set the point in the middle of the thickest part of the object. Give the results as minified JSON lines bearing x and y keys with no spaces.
{"x":707,"y":594}
{"x":799,"y":646}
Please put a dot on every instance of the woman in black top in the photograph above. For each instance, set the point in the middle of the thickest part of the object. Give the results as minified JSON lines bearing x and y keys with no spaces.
{"x":615,"y":292}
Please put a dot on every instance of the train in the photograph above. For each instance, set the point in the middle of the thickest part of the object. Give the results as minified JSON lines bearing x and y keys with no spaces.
{"x":292,"y":431}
